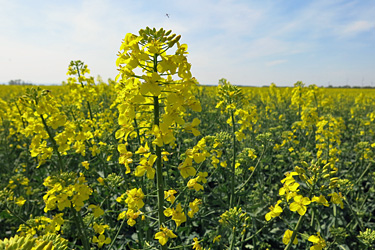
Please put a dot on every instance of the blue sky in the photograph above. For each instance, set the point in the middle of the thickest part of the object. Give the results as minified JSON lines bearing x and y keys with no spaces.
{"x":248,"y":42}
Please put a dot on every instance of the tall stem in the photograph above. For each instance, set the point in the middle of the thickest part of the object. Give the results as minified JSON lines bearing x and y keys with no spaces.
{"x":117,"y":233}
{"x":88,"y":103}
{"x":233,"y":238}
{"x":159,"y":172}
{"x":81,"y":229}
{"x":231,"y":201}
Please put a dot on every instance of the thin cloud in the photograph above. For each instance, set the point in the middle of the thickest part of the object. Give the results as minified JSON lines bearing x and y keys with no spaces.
{"x":275,"y":62}
{"x":357,"y":27}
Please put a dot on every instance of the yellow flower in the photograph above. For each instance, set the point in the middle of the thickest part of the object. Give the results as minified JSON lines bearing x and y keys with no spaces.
{"x":186,"y":168}
{"x":163,"y":135}
{"x":290,"y":187}
{"x":240,"y":135}
{"x":190,"y":127}
{"x":196,"y":244}
{"x":101,"y":240}
{"x":165,"y":155}
{"x":135,"y":198}
{"x":169,"y":195}
{"x":321,"y":200}
{"x":202,"y":177}
{"x":177,"y":214}
{"x":251,"y":154}
{"x":96,"y":210}
{"x":287,"y":236}
{"x":151,"y":85}
{"x":223,"y":164}
{"x":143,"y":149}
{"x":100,"y":180}
{"x":337,"y":198}
{"x":100,"y":229}
{"x":194,"y":207}
{"x":299,"y":204}
{"x":193,"y":184}
{"x":20,"y":201}
{"x":146,"y":165}
{"x":132,"y":216}
{"x":66,"y":196}
{"x":275,"y":211}
{"x":125,"y":157}
{"x":164,"y":235}
{"x":214,"y":161}
{"x":217,"y":238}
{"x":289,"y":178}
{"x":319,"y":242}
{"x":121,"y":215}
{"x":85,"y":164}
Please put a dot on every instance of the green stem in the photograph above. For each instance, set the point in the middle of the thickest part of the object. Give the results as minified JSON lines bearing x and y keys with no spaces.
{"x":88,"y":103}
{"x":360,"y":178}
{"x":18,"y":217}
{"x":137,"y":129}
{"x":295,"y":231}
{"x":231,"y":200}
{"x":232,"y":240}
{"x":117,"y":233}
{"x":242,"y":238}
{"x":90,"y":112}
{"x":81,"y":229}
{"x":22,"y":119}
{"x":252,"y":236}
{"x":140,"y":236}
{"x":334,"y":215}
{"x":54,"y":144}
{"x":251,"y":175}
{"x":355,"y":215}
{"x":159,"y":172}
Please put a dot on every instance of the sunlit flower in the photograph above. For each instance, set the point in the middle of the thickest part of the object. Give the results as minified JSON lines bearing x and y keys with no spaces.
{"x":164,"y":235}
{"x":287,"y":237}
{"x":275,"y":211}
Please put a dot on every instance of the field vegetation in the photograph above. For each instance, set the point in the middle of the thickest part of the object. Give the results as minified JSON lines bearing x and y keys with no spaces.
{"x":153,"y":160}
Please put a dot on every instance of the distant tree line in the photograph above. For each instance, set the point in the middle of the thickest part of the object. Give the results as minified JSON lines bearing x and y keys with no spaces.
{"x":353,"y":87}
{"x":18,"y":82}
{"x":329,"y":86}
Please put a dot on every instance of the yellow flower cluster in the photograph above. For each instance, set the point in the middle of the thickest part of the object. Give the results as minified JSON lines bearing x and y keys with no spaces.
{"x":137,"y":94}
{"x":134,"y":200}
{"x":311,"y":176}
{"x":197,"y":154}
{"x":42,"y":225}
{"x":234,"y":101}
{"x":164,"y":235}
{"x":177,"y":214}
{"x":152,"y":107}
{"x":61,"y":194}
{"x":101,"y":239}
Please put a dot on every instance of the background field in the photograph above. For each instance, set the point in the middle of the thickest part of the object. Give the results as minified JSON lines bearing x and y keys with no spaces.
{"x":284,"y":128}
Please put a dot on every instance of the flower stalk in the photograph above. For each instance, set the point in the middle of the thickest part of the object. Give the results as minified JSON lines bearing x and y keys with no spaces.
{"x":232,"y":193}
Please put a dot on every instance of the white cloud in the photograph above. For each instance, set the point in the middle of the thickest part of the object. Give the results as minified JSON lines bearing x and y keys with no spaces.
{"x":275,"y":62}
{"x":357,"y":27}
